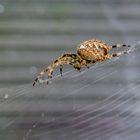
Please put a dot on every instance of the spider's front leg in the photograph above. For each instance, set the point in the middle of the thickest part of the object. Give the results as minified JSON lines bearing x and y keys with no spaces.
{"x":69,"y":58}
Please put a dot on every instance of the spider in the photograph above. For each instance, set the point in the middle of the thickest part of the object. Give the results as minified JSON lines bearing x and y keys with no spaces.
{"x":89,"y":52}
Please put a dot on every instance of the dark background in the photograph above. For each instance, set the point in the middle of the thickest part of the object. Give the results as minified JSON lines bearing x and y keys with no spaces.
{"x":99,"y":103}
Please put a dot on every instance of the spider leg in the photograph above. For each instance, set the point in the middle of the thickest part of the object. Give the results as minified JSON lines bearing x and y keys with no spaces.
{"x":35,"y":81}
{"x":118,"y":54}
{"x":120,"y":45}
{"x":87,"y":66}
{"x":39,"y":77}
{"x":68,"y":58}
{"x":61,"y":70}
{"x":89,"y":62}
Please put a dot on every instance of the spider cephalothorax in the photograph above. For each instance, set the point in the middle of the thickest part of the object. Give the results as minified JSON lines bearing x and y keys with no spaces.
{"x":90,"y":51}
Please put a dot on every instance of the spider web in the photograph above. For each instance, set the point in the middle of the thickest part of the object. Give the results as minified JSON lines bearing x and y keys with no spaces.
{"x":97,"y":103}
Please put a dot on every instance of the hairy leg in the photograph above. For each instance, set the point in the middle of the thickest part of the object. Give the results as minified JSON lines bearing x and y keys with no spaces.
{"x":68,"y":58}
{"x":120,"y":45}
{"x":61,"y":70}
{"x":118,"y":54}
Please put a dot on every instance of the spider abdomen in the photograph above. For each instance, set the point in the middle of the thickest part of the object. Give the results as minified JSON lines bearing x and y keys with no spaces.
{"x":93,"y":50}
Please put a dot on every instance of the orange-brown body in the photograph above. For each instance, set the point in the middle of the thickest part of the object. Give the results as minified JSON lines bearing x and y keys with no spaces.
{"x":94,"y":50}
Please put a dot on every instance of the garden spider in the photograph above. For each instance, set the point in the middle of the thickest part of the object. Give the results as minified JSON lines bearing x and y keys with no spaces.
{"x":89,"y":52}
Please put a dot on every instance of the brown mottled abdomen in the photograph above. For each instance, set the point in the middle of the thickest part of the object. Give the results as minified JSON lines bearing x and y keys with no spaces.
{"x":93,"y":50}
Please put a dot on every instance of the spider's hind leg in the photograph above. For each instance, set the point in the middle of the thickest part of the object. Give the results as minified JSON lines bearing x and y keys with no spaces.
{"x":120,"y":45}
{"x":118,"y":54}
